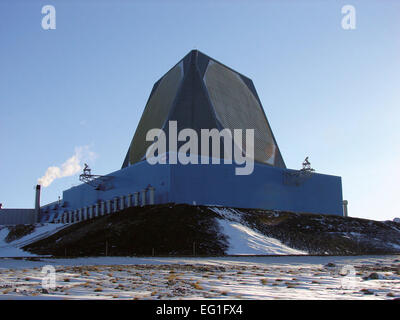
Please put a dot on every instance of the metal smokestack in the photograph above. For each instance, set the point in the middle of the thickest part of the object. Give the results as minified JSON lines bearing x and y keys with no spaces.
{"x":37,"y":202}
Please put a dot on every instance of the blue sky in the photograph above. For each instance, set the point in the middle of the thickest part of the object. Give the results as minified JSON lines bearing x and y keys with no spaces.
{"x":329,"y":93}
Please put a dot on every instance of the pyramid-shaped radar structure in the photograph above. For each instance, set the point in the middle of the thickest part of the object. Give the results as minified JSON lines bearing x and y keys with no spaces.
{"x":202,"y":93}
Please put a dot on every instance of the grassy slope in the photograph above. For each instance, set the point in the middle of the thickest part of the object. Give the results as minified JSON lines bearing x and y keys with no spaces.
{"x":172,"y":229}
{"x":168,"y":229}
{"x":327,"y":234}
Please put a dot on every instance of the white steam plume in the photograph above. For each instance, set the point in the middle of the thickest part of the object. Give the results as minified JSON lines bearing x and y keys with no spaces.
{"x":68,"y":168}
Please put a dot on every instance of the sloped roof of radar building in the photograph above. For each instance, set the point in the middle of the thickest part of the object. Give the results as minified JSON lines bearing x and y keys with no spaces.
{"x":202,"y":93}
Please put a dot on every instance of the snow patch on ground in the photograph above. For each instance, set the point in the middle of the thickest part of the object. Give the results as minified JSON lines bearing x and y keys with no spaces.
{"x":8,"y":250}
{"x":243,"y":277}
{"x":244,"y":240}
{"x":228,"y":213}
{"x":13,"y":249}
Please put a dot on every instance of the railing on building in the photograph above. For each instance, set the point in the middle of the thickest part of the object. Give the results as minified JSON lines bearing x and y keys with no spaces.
{"x":108,"y":206}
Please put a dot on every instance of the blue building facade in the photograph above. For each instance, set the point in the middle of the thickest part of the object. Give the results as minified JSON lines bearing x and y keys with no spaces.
{"x":266,"y":188}
{"x":202,"y":93}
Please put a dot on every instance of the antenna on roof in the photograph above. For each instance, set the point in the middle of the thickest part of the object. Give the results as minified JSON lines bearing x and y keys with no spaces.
{"x":307,"y":166}
{"x":94,"y":180}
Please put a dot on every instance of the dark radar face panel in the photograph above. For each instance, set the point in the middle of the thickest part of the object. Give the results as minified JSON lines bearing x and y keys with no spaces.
{"x":155,"y":113}
{"x":237,"y":108}
{"x":201,"y":93}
